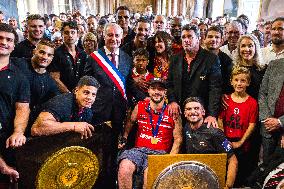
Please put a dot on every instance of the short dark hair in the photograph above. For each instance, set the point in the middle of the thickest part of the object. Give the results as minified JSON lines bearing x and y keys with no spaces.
{"x":7,"y":28}
{"x":144,"y":20}
{"x":122,"y":8}
{"x":193,"y":99}
{"x":71,"y":24}
{"x":91,"y":16}
{"x":244,"y":17}
{"x":216,"y":29}
{"x":203,"y":23}
{"x":35,"y":17}
{"x":192,"y":27}
{"x":88,"y":81}
{"x":278,"y":19}
{"x":47,"y":42}
{"x":62,"y":13}
{"x":242,"y":22}
{"x":141,"y":52}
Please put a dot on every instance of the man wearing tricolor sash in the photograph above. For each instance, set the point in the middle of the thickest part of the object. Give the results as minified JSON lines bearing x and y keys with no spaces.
{"x":112,"y":68}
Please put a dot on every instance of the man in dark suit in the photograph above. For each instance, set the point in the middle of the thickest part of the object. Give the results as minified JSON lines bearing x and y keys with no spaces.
{"x":110,"y":103}
{"x":195,"y":72}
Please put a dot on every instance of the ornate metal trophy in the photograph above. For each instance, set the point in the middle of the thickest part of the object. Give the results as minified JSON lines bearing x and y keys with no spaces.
{"x":187,"y":171}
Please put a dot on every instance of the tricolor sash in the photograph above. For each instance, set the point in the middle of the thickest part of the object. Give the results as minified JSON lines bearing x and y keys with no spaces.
{"x":109,"y":68}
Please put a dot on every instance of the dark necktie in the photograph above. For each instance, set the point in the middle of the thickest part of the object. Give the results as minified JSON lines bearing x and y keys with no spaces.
{"x":113,"y":59}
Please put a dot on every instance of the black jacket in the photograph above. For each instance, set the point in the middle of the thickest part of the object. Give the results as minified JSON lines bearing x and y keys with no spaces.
{"x":205,"y":80}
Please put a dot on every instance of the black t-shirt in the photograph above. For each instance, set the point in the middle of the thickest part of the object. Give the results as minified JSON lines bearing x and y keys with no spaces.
{"x":206,"y":141}
{"x":70,"y":70}
{"x":64,"y":108}
{"x":23,"y":49}
{"x":14,"y":87}
{"x":43,"y":86}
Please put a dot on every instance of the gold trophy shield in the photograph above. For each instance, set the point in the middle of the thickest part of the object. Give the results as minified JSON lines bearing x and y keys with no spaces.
{"x":73,"y":167}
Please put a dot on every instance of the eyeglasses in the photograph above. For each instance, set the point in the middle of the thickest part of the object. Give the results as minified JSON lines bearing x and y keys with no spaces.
{"x":125,"y":17}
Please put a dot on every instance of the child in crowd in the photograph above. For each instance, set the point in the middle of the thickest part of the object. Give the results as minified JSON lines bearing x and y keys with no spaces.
{"x":238,"y":121}
{"x":140,"y":73}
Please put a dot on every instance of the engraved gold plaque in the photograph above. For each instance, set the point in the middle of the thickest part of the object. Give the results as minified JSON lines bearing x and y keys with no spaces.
{"x":72,"y":167}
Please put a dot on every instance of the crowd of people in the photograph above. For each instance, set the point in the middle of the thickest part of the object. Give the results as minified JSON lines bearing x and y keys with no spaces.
{"x":187,"y":85}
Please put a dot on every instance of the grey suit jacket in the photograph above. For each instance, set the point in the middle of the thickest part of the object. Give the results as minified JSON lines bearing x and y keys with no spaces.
{"x":270,"y":89}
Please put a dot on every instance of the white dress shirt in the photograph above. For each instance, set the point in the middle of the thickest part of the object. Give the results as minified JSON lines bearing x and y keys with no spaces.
{"x":116,"y":52}
{"x":269,"y":54}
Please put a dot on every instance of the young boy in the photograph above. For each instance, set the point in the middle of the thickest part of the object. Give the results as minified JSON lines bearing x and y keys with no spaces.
{"x":140,"y":73}
{"x":238,"y":121}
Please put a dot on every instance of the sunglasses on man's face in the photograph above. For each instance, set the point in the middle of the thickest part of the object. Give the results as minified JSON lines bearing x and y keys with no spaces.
{"x":125,"y":17}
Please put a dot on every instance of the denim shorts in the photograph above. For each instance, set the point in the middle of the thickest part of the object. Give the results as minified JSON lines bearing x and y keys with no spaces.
{"x":139,"y":156}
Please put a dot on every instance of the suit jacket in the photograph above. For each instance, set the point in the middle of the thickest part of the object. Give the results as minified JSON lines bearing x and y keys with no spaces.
{"x":270,"y":89}
{"x":205,"y":80}
{"x":108,"y":95}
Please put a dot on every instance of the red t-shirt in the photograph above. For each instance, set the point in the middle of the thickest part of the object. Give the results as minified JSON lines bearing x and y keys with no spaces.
{"x":144,"y":131}
{"x":237,"y":116}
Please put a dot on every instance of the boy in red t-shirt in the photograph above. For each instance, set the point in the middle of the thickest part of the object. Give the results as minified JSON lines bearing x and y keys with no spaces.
{"x":238,"y":121}
{"x":140,"y":73}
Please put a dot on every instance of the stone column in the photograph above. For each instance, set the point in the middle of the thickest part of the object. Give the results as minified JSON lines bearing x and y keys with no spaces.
{"x":164,"y":6}
{"x":111,"y":6}
{"x":158,"y":7}
{"x":169,"y":11}
{"x":198,"y":9}
{"x":174,"y":7}
{"x":101,"y":7}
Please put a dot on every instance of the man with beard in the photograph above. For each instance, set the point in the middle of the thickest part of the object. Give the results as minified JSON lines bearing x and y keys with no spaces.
{"x":67,"y":66}
{"x":276,"y":50}
{"x":176,"y":25}
{"x":140,"y":40}
{"x":122,"y":19}
{"x":199,"y":139}
{"x":157,"y":133}
{"x":35,"y":27}
{"x":234,"y":31}
{"x":42,"y":86}
{"x":213,"y":42}
{"x":194,"y":72}
{"x":14,"y":104}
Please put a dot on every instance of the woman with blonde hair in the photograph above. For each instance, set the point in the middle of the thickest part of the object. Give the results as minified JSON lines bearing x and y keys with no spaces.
{"x":90,"y":43}
{"x":248,"y":54}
